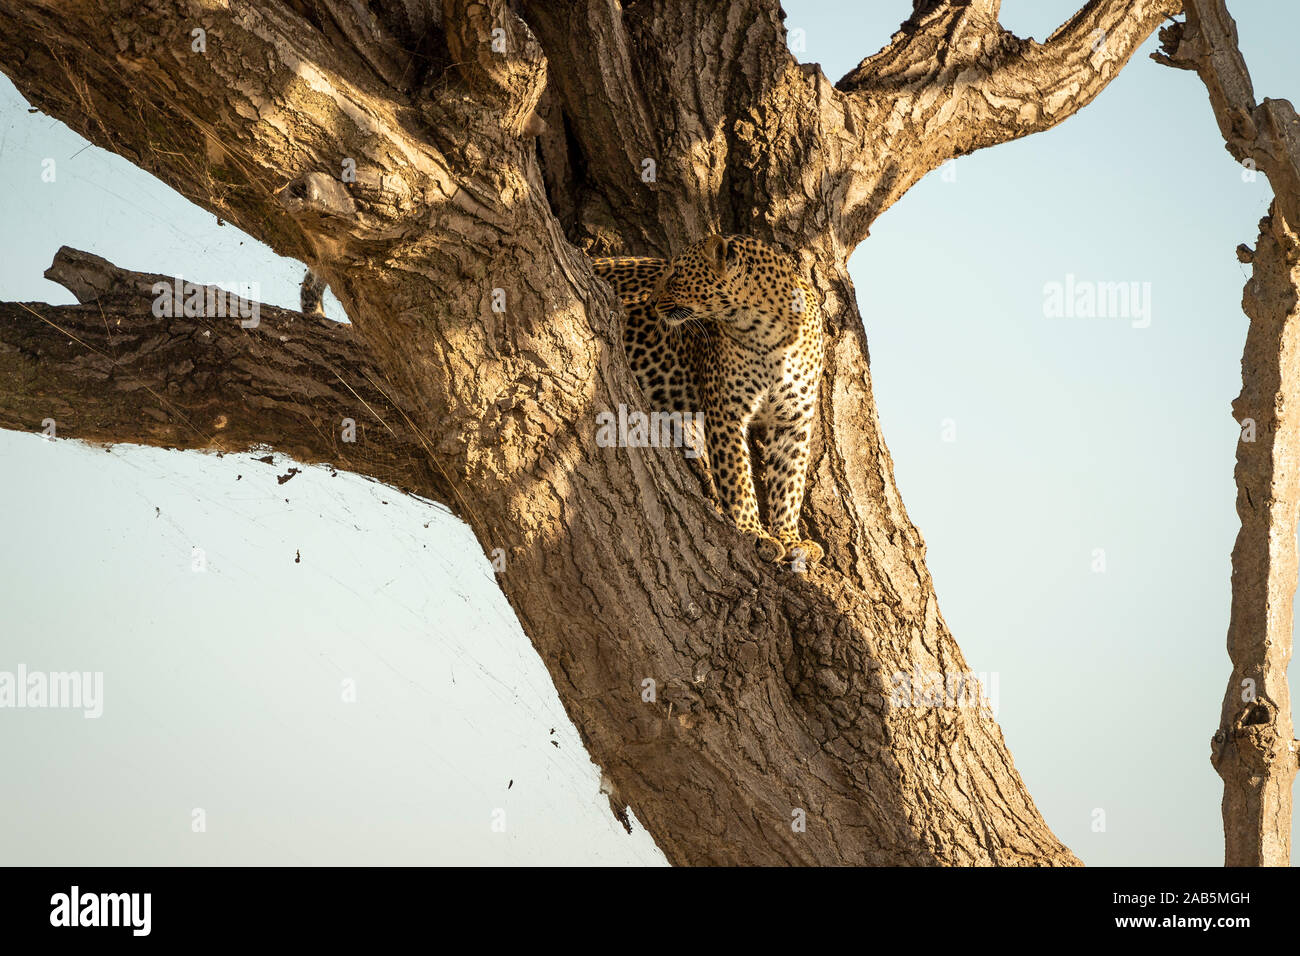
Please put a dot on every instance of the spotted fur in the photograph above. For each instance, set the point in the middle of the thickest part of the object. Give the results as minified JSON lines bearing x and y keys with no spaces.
{"x":311,"y":294}
{"x":730,"y":328}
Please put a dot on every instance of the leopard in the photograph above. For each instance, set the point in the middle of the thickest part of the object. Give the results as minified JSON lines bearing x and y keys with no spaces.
{"x":729,"y":329}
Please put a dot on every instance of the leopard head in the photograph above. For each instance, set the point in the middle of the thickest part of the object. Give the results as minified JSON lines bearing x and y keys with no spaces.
{"x":696,"y":284}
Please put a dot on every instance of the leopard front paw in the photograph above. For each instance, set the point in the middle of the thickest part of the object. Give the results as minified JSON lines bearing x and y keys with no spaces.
{"x":769,"y":548}
{"x":804,"y":554}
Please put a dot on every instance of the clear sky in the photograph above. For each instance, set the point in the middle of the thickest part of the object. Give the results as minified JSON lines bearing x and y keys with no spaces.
{"x":1024,"y":442}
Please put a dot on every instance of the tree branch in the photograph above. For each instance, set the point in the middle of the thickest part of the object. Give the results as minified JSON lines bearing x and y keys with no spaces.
{"x":398,"y":40}
{"x":294,"y":108}
{"x":1039,"y":85}
{"x":109,"y":370}
{"x":498,"y":56}
{"x":660,"y":102}
{"x":1254,"y":750}
{"x":604,"y":124}
{"x":938,"y":33}
{"x":1268,"y":134}
{"x":953,"y":81}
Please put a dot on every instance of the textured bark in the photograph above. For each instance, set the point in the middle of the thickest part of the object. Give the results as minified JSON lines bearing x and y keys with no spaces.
{"x":110,"y":371}
{"x":1254,"y":750}
{"x":774,"y":691}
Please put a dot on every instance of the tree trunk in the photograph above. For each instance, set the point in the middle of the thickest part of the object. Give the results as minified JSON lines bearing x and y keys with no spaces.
{"x":1254,"y":750}
{"x":492,"y":145}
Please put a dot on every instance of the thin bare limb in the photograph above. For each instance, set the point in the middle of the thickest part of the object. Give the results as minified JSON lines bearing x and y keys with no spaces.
{"x":1265,"y":135}
{"x":1254,"y":749}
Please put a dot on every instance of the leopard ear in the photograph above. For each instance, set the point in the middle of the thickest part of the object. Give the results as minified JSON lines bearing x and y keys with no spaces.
{"x":716,"y":251}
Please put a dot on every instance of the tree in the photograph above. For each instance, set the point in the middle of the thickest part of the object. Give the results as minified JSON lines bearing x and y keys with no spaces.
{"x":444,"y":167}
{"x":1254,"y":749}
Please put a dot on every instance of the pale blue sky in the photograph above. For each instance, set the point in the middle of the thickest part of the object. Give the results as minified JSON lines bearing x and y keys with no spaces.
{"x":1071,"y":435}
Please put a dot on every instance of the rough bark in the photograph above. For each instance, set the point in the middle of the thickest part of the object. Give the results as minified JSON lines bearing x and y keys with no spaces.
{"x":1254,"y":749}
{"x":775,"y":692}
{"x":109,"y":370}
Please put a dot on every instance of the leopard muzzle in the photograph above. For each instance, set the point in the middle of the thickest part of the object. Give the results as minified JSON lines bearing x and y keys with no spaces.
{"x":672,"y":313}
